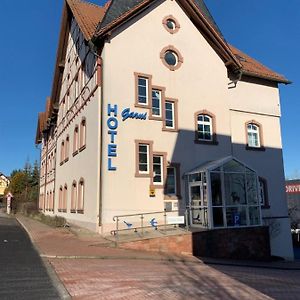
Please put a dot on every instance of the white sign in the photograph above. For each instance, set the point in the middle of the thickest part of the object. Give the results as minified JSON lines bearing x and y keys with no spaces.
{"x":175,"y":219}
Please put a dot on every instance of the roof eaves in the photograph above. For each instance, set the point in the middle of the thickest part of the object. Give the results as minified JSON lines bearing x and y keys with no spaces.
{"x":279,"y":79}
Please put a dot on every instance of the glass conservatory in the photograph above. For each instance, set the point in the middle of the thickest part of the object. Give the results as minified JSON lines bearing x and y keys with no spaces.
{"x":223,"y":193}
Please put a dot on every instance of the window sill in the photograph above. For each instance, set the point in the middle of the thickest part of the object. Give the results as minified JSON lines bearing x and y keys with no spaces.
{"x":255,"y":148}
{"x":170,"y":129}
{"x":61,"y":163}
{"x":142,"y":105}
{"x":82,"y":148}
{"x":172,"y":197}
{"x":66,"y":160}
{"x":155,"y":118}
{"x":142,"y":175}
{"x":75,"y":153}
{"x":80,"y":211}
{"x":73,"y":211}
{"x":212,"y":143}
{"x":157,"y":186}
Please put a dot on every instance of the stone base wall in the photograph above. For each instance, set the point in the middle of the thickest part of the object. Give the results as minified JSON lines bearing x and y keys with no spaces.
{"x":235,"y":243}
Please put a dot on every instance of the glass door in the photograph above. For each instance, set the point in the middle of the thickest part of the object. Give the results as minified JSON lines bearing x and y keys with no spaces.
{"x":198,"y":204}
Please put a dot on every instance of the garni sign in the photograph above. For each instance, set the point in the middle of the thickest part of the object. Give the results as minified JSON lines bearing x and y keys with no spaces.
{"x":292,"y":188}
{"x":112,"y":125}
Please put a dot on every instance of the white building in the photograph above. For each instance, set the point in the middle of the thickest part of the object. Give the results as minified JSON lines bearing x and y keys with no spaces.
{"x":150,"y":109}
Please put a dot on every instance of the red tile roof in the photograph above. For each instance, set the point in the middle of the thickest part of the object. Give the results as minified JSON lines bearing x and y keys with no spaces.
{"x":87,"y":15}
{"x":254,"y":68}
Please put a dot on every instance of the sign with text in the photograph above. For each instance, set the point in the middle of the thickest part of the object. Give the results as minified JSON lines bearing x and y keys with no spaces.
{"x":292,"y":188}
{"x":175,"y":219}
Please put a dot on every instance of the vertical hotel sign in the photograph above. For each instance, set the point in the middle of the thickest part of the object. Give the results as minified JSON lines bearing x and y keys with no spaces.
{"x":112,"y":124}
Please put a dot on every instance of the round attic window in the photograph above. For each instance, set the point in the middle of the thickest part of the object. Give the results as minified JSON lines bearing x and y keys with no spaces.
{"x":171,"y":58}
{"x":171,"y":24}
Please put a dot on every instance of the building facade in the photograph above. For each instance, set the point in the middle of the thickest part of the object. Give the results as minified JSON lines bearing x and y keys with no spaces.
{"x":152,"y":109}
{"x":4,"y":182}
{"x":292,"y":188}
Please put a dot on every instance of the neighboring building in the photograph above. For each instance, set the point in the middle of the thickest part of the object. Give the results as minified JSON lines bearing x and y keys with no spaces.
{"x":151,"y":108}
{"x":292,"y":188}
{"x":4,"y":182}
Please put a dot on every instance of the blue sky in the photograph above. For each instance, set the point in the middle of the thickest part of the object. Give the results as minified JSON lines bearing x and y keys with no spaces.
{"x":268,"y":30}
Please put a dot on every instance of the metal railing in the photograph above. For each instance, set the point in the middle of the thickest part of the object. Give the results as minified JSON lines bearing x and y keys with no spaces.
{"x":140,"y":226}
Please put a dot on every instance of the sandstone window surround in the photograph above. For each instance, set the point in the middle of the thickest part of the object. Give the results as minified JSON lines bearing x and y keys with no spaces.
{"x":254,"y":136}
{"x":80,"y":196}
{"x":205,"y":128}
{"x":171,"y":24}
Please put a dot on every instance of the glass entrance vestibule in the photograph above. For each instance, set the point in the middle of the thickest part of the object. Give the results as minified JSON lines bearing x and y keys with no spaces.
{"x":223,"y":193}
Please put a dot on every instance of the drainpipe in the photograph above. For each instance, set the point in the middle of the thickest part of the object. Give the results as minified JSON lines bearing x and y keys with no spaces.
{"x":96,"y":50}
{"x":232,"y":84}
{"x":101,"y":143}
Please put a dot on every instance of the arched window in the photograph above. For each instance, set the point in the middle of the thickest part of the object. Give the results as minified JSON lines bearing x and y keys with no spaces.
{"x":60,"y":198}
{"x":205,"y":127}
{"x":62,"y":152}
{"x":50,"y":201}
{"x":74,"y":197}
{"x":65,"y":199}
{"x":80,"y":198}
{"x":254,"y":134}
{"x":82,"y":133}
{"x":47,"y":202}
{"x":75,"y":139}
{"x":67,"y":147}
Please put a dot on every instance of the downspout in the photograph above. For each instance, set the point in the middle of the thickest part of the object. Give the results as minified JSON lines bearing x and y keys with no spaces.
{"x":232,"y":85}
{"x":46,"y":170}
{"x":101,"y":142}
{"x":96,"y":50}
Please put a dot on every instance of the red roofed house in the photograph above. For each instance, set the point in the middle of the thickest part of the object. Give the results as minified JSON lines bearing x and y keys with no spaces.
{"x":152,"y":109}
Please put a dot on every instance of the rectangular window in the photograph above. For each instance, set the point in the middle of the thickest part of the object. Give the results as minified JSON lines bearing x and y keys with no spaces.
{"x":169,"y":120}
{"x":143,"y":85}
{"x":143,"y":159}
{"x":158,"y":169}
{"x":171,"y":184}
{"x":156,"y":103}
{"x":76,"y":87}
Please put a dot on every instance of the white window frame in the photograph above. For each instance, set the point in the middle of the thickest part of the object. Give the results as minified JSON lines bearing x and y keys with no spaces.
{"x":205,"y":123}
{"x":148,"y":158}
{"x":173,"y":114}
{"x":147,"y":90}
{"x":252,"y":130}
{"x":161,"y":164}
{"x":160,"y":101}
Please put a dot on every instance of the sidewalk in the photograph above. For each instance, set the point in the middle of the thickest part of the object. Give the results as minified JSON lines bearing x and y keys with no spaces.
{"x":62,"y":243}
{"x":90,"y":269}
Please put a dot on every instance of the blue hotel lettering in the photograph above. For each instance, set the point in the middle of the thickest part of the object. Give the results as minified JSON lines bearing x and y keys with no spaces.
{"x":112,"y":124}
{"x":127,"y":114}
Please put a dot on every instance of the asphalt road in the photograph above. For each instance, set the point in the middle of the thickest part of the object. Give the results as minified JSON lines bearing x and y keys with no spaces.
{"x":22,"y":272}
{"x":277,"y":284}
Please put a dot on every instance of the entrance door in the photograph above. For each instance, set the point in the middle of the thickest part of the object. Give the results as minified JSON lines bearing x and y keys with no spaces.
{"x":198,"y":205}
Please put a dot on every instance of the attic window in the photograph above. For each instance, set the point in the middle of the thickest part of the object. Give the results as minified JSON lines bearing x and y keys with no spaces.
{"x":171,"y":24}
{"x":171,"y":58}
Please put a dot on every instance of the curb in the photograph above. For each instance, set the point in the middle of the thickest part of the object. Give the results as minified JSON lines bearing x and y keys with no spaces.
{"x":232,"y":264}
{"x":105,"y":257}
{"x":62,"y":291}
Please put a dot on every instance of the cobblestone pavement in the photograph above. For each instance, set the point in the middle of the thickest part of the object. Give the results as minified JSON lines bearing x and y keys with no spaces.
{"x":278,"y":284}
{"x":145,"y":279}
{"x":90,"y":269}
